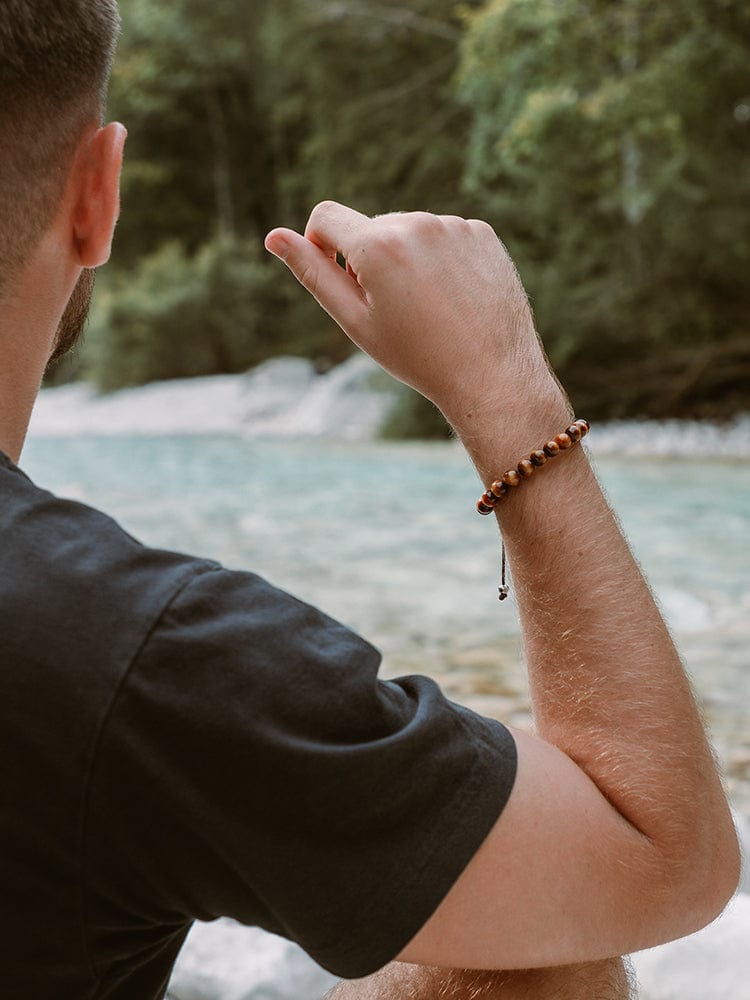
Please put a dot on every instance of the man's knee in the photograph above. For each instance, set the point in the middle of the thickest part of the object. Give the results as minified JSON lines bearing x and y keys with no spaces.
{"x":606,"y":980}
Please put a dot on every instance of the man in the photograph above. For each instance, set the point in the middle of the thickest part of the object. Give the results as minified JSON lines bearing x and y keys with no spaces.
{"x":185,"y":742}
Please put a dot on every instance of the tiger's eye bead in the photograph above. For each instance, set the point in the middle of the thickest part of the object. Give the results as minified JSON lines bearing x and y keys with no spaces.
{"x":528,"y":466}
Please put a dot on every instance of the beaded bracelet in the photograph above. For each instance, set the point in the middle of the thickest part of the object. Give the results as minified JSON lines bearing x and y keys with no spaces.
{"x":526,"y":468}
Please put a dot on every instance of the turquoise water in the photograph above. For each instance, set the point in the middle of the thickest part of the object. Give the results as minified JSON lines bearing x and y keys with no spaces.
{"x":385,"y":537}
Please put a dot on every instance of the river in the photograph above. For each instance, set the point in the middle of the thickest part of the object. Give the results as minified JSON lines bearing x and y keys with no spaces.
{"x":385,"y":537}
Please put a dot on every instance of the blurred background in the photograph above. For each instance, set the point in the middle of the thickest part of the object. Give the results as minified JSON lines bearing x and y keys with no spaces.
{"x":607,"y":141}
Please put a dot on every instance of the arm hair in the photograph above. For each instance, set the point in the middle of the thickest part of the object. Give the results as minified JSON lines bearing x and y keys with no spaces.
{"x":606,"y":980}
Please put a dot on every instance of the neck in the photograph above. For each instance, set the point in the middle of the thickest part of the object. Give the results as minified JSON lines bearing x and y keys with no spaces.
{"x":15,"y":414}
{"x":29,"y":317}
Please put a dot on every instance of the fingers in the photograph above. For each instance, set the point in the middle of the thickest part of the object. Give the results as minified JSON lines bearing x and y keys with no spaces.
{"x":334,"y":288}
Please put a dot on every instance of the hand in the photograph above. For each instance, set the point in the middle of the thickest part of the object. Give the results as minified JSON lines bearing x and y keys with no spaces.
{"x":435,"y":300}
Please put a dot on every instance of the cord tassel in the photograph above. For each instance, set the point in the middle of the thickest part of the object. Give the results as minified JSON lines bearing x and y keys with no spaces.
{"x":503,"y":590}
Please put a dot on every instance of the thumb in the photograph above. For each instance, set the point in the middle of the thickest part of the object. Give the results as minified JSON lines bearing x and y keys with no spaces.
{"x":336,"y":290}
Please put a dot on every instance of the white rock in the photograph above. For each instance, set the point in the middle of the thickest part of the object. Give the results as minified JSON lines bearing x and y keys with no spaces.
{"x":282,"y":397}
{"x":225,"y":961}
{"x":675,"y":438}
{"x":275,"y":387}
{"x":713,"y":964}
{"x":340,"y":404}
{"x":211,"y":405}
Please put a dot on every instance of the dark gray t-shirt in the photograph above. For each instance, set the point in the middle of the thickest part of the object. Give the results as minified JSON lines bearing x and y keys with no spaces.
{"x":183,"y":742}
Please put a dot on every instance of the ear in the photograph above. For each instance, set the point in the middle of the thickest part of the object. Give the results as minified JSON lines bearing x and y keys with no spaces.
{"x":96,"y":180}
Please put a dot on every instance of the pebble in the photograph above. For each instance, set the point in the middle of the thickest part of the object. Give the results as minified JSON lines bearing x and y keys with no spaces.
{"x":223,"y":960}
{"x":713,"y":964}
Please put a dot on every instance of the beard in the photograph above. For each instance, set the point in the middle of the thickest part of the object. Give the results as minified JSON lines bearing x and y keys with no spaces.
{"x":76,"y":313}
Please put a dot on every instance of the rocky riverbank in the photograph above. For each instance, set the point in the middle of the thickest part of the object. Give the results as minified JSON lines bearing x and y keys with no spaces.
{"x":285,"y":397}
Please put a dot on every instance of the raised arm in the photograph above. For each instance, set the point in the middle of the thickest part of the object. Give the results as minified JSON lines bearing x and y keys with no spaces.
{"x":617,"y":834}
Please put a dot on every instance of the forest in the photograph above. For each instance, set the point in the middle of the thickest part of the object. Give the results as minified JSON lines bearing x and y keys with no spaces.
{"x":607,"y":141}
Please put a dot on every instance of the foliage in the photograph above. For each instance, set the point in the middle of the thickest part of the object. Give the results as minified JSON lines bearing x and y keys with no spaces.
{"x":364,"y":103}
{"x":175,"y":316}
{"x":414,"y":417}
{"x":610,"y":145}
{"x":606,"y":140}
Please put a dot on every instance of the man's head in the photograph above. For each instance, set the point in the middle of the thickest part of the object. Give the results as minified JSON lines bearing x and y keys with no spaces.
{"x":55,"y":60}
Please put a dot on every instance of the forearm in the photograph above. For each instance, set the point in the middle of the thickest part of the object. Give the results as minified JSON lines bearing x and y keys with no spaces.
{"x":605,"y":980}
{"x":606,"y":682}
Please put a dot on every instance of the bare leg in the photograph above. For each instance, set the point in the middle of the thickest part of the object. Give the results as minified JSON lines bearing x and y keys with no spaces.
{"x":606,"y":980}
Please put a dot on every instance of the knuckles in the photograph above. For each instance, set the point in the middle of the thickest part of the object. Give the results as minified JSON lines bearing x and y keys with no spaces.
{"x":398,"y":237}
{"x":321,"y":216}
{"x":385,"y":241}
{"x":324,"y":208}
{"x":482,"y":228}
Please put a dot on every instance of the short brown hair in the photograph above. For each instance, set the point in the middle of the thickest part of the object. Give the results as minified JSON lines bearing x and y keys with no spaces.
{"x":55,"y":61}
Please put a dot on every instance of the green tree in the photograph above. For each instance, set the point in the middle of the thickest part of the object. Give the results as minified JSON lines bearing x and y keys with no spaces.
{"x":188,"y":82}
{"x":610,"y":144}
{"x":364,"y":104}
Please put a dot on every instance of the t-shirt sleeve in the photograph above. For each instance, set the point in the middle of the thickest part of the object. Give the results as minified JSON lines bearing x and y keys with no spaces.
{"x":254,"y":766}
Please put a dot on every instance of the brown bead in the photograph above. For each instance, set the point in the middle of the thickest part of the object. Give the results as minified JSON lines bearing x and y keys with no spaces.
{"x":488,"y":499}
{"x":484,"y":508}
{"x":525,"y":468}
{"x":511,"y":478}
{"x":584,"y":425}
{"x":498,"y":489}
{"x":537,"y":458}
{"x":551,"y":449}
{"x":563,"y":440}
{"x":574,"y":432}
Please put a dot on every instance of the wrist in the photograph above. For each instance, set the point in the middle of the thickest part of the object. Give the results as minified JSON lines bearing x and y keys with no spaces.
{"x":501,"y":428}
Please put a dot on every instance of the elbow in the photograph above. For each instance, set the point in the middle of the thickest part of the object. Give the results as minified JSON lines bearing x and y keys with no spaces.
{"x":702,"y":876}
{"x":721,"y":869}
